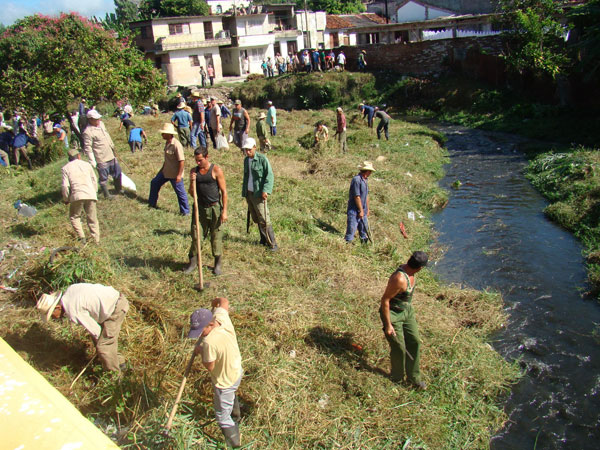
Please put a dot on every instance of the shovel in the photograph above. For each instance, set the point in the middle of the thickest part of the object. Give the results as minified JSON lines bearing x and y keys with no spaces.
{"x":200,"y":286}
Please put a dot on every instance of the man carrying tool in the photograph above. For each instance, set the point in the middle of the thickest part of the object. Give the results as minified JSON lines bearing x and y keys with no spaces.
{"x":399,"y":323}
{"x":99,"y":309}
{"x":211,"y":192}
{"x":221,"y":356}
{"x":100,"y":150}
{"x":358,"y":204}
{"x":79,"y":189}
{"x":256,"y":187}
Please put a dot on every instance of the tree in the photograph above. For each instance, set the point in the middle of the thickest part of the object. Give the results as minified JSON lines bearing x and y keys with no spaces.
{"x":333,"y":6}
{"x":47,"y":62}
{"x":126,"y":11}
{"x":173,"y":8}
{"x":586,"y":19}
{"x":535,"y":37}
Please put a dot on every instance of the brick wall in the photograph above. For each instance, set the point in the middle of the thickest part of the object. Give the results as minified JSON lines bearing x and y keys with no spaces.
{"x":427,"y":57}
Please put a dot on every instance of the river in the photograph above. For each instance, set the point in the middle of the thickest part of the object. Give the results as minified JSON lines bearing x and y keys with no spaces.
{"x":496,"y":236}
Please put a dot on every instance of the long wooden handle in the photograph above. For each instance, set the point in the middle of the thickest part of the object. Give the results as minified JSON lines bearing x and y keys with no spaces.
{"x":198,"y":241}
{"x":180,"y":393}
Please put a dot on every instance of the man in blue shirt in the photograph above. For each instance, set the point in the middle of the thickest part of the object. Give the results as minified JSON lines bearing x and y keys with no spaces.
{"x":358,"y":204}
{"x":368,"y":112}
{"x":6,"y":139}
{"x":182,"y":120}
{"x":19,"y":146}
{"x":135,"y":139}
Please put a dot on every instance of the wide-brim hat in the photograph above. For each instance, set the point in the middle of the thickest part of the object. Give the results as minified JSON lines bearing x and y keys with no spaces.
{"x":238,"y":102}
{"x":181,"y":105}
{"x":93,"y":114}
{"x":47,"y":303}
{"x":199,"y":319}
{"x":219,"y":102}
{"x":168,"y":128}
{"x":367,"y":165}
{"x":196,"y":94}
{"x":262,"y":115}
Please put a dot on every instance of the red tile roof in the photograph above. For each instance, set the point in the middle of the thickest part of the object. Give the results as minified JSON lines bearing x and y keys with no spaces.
{"x":353,"y":20}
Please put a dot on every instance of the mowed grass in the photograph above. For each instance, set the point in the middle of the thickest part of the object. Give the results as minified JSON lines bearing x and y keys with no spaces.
{"x":314,"y":355}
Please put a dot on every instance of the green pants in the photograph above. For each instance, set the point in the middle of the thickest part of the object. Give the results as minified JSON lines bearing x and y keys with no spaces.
{"x":259,"y":211}
{"x":106,"y":346}
{"x":404,"y":347}
{"x":209,"y":222}
{"x":184,"y":136}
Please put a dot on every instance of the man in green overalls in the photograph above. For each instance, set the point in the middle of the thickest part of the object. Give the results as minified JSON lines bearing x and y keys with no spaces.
{"x":399,"y":322}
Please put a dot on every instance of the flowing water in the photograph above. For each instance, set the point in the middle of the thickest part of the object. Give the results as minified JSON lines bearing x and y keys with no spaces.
{"x":496,"y":236}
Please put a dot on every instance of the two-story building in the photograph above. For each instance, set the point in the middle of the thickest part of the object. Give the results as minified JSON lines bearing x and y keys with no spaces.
{"x":181,"y":45}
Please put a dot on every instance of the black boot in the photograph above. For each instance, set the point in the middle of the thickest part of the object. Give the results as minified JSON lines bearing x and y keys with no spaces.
{"x":192,"y":266}
{"x":232,"y":436}
{"x":272,"y":241}
{"x":217,"y":268}
{"x":105,"y":191}
{"x":236,"y":413}
{"x":263,"y":236}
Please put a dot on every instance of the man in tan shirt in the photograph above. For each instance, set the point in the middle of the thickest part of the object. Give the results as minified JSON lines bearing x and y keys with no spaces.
{"x":100,"y":150}
{"x":79,"y":188}
{"x":99,"y":309}
{"x":172,"y":170}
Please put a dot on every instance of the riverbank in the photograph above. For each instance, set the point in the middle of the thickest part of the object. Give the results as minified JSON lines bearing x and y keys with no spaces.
{"x":306,"y":317}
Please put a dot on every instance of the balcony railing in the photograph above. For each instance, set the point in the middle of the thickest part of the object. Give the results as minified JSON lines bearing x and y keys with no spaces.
{"x":193,"y":40}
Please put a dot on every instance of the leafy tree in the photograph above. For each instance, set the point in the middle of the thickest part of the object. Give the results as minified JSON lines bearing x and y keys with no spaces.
{"x":126,"y":11}
{"x":173,"y":8}
{"x":47,"y":62}
{"x":333,"y":6}
{"x":535,"y":36}
{"x":586,"y":19}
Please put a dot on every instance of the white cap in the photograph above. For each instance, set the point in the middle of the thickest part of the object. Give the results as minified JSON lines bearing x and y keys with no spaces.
{"x":93,"y":114}
{"x":249,"y":143}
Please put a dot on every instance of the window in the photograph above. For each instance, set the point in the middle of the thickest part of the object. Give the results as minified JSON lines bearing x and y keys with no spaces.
{"x":208,"y":59}
{"x":179,"y":28}
{"x":208,"y":31}
{"x":194,"y":60}
{"x":219,"y":9}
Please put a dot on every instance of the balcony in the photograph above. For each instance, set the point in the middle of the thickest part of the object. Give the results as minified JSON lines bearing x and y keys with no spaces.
{"x":287,"y":33}
{"x":193,"y":40}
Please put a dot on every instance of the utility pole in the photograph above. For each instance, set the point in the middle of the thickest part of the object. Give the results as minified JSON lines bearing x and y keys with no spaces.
{"x":307,"y":41}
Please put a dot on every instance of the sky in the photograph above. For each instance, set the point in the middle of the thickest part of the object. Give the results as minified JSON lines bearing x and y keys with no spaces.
{"x":12,"y":10}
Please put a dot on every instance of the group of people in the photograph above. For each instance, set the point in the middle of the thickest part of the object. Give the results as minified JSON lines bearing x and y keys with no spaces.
{"x":309,"y":61}
{"x":370,"y":113}
{"x":102,"y":309}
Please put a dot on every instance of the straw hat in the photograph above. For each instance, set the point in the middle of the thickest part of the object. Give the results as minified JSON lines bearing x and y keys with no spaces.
{"x":181,"y":105}
{"x":47,"y":303}
{"x":367,"y":165}
{"x":196,"y":94}
{"x":168,"y":128}
{"x":262,"y":115}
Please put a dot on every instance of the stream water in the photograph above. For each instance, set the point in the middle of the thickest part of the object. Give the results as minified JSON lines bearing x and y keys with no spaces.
{"x":496,"y":236}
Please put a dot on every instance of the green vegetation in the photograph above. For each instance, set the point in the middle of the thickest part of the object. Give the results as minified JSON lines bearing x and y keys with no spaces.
{"x":313,"y":351}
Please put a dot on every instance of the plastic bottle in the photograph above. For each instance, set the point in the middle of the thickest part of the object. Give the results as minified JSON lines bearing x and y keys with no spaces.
{"x":24,"y":209}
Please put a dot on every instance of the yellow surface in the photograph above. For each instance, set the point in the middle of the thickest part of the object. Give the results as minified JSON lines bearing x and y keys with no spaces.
{"x":34,"y":415}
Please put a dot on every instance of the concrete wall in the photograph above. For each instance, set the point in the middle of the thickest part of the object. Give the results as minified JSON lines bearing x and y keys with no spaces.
{"x":423,"y":57}
{"x":414,"y":12}
{"x":180,"y":70}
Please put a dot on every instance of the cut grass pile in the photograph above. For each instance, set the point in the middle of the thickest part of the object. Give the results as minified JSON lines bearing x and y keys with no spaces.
{"x":314,"y":355}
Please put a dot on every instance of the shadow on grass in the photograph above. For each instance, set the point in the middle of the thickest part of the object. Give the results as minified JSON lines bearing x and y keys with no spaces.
{"x":45,"y":199}
{"x":24,"y":230}
{"x":342,"y":346}
{"x":327,"y":227}
{"x":159,"y":232}
{"x":46,"y":352}
{"x":154,"y":263}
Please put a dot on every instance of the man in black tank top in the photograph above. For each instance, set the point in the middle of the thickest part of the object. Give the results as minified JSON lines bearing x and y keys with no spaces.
{"x":211,"y":190}
{"x":399,"y":322}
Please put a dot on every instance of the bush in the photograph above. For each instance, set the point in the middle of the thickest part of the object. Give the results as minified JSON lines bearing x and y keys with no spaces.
{"x":48,"y":151}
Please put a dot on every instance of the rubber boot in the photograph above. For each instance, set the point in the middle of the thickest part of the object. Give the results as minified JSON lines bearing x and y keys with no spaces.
{"x":218,"y":262}
{"x":192,"y":266}
{"x":118,"y":185}
{"x":232,"y":436}
{"x":236,"y":413}
{"x":271,"y":234}
{"x":105,"y":191}
{"x":263,"y":236}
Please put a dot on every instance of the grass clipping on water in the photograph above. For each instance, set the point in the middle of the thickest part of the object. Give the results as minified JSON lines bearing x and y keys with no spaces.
{"x":314,"y":355}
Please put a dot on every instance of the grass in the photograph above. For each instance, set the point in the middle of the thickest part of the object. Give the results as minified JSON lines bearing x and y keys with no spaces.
{"x":314,"y":355}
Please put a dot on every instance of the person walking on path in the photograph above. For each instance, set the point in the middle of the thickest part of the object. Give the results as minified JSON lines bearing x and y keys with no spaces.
{"x":383,"y":124}
{"x":358,"y":204}
{"x":79,"y":187}
{"x":261,"y":133}
{"x":183,"y":121}
{"x":210,"y":71}
{"x":100,"y":309}
{"x":197,"y":137}
{"x":172,"y":171}
{"x":214,"y":121}
{"x":362,"y":62}
{"x":218,"y":347}
{"x":272,"y":118}
{"x":399,"y":322}
{"x":257,"y":185}
{"x":240,"y":124}
{"x":135,"y":139}
{"x":211,"y":190}
{"x":270,"y":67}
{"x":100,"y":150}
{"x":341,"y":60}
{"x":341,"y":130}
{"x":368,"y":112}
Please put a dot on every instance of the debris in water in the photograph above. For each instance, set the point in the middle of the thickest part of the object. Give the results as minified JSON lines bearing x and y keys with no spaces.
{"x":456,"y":184}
